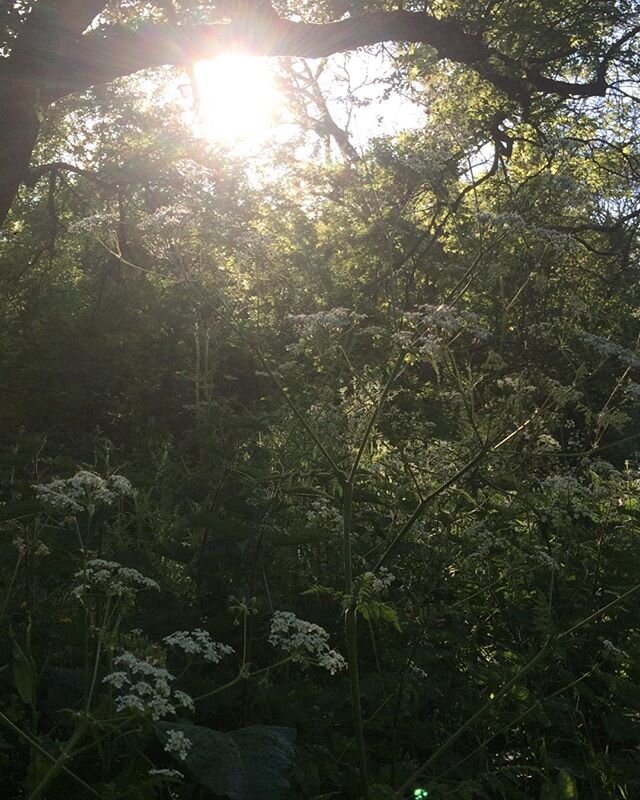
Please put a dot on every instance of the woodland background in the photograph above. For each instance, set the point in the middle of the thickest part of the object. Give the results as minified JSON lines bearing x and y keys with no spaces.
{"x":391,"y":387}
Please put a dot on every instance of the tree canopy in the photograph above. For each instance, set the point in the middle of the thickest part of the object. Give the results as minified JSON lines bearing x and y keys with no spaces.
{"x":52,"y":48}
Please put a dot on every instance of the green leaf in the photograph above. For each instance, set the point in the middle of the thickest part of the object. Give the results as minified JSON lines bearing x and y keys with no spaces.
{"x":376,"y":610}
{"x":242,"y":765}
{"x":214,"y":759}
{"x":268,"y":753}
{"x":567,"y":789}
{"x":25,"y":676}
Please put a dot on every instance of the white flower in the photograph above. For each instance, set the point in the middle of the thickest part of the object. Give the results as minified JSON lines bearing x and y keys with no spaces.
{"x":84,"y":491}
{"x":333,"y":319}
{"x":378,"y":583}
{"x":199,"y":643}
{"x":615,"y":652}
{"x":306,"y":641}
{"x":110,"y":578}
{"x":145,"y":686}
{"x":177,"y":744}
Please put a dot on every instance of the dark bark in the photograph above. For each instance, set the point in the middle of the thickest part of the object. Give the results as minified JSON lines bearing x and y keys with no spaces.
{"x":19,"y":127}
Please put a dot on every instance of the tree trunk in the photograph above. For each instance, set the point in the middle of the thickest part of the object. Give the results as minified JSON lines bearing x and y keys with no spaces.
{"x":18,"y":134}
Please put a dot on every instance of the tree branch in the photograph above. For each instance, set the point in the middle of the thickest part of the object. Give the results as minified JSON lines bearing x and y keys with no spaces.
{"x":99,"y":57}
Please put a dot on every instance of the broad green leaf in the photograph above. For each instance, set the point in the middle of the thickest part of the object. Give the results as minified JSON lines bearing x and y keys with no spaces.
{"x":268,"y":754}
{"x":214,"y":759}
{"x":242,"y":765}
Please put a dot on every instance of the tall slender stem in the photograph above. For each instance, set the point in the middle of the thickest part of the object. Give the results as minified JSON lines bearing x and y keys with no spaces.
{"x":351,"y":632}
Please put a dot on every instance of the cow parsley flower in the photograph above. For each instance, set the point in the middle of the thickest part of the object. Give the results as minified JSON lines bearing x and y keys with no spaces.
{"x":306,"y":641}
{"x":178,"y":744}
{"x":378,"y":583}
{"x":198,"y":643}
{"x":110,"y":578}
{"x":84,"y":491}
{"x":145,"y":686}
{"x":333,"y":319}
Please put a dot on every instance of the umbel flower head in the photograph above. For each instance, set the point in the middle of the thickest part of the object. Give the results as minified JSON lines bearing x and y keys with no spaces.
{"x":111,"y":579}
{"x":305,"y":641}
{"x":145,"y":686}
{"x":198,"y":643}
{"x":84,"y":491}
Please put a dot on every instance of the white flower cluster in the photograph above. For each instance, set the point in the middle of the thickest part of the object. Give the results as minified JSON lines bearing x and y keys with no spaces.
{"x":610,"y":349}
{"x":178,"y":744}
{"x":334,"y":319}
{"x":544,"y":558}
{"x":632,"y":390}
{"x":199,"y":643}
{"x":145,"y":686}
{"x":321,"y":514}
{"x":95,"y":224}
{"x":110,"y":578}
{"x":484,"y":541}
{"x":380,"y":582}
{"x":84,"y":491}
{"x":167,"y":219}
{"x":306,"y":641}
{"x":562,"y":484}
{"x":508,"y":220}
{"x":613,"y":651}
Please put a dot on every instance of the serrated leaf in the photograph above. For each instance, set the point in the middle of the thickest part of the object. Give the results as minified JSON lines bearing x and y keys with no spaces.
{"x":242,"y":765}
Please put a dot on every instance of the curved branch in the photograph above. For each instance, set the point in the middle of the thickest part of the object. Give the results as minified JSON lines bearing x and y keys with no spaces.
{"x":61,"y":166}
{"x":100,"y":57}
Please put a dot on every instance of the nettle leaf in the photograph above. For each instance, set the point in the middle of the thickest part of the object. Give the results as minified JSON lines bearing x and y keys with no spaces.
{"x":241,"y":765}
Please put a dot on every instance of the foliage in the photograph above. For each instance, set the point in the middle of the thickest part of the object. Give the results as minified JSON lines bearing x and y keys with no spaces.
{"x":264,"y":418}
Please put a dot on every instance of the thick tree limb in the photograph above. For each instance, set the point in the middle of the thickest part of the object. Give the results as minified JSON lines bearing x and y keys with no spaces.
{"x":103,"y":56}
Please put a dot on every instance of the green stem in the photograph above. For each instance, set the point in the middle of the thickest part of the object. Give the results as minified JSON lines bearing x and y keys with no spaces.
{"x":519,"y":718}
{"x":375,"y":413}
{"x":474,"y":718}
{"x":7,"y":596}
{"x":96,"y":662}
{"x":508,"y":685}
{"x":241,"y":676}
{"x":58,"y":764}
{"x":351,"y":633}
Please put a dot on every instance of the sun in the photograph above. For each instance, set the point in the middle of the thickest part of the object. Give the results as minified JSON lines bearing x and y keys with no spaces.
{"x":238,"y":98}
